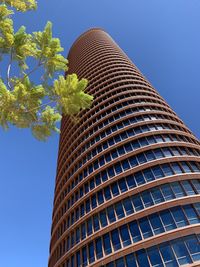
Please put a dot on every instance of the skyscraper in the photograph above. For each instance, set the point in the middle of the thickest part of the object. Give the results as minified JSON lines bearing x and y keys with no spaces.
{"x":128,"y":177}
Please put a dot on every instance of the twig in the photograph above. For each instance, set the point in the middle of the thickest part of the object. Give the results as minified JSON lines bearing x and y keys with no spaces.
{"x":9,"y":68}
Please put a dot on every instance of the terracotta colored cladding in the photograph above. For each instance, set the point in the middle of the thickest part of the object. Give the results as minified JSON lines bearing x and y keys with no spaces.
{"x":129,"y":164}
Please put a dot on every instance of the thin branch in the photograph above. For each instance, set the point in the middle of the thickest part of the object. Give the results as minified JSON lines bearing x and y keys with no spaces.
{"x":45,"y":104}
{"x":9,"y":69}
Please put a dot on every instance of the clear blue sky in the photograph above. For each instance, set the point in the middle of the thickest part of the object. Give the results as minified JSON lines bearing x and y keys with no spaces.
{"x":161,"y":37}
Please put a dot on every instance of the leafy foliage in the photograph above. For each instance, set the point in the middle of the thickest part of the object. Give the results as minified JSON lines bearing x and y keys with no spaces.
{"x":24,"y":103}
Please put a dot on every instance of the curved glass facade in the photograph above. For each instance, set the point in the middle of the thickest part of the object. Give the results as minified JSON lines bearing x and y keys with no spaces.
{"x":128,"y":178}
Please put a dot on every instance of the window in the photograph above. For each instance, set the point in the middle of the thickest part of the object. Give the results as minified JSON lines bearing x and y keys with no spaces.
{"x":179,"y":217}
{"x":103,"y":218}
{"x":111,"y":214}
{"x":138,"y":205}
{"x":167,"y":192}
{"x":177,"y":189}
{"x":139,"y":178}
{"x":145,"y":227}
{"x":122,"y":185}
{"x":119,"y":210}
{"x":96,"y":222}
{"x":181,"y":252}
{"x":91,"y":252}
{"x":131,"y":181}
{"x":157,"y":195}
{"x":157,"y":172}
{"x":155,"y":257}
{"x":125,"y":235}
{"x":115,"y":239}
{"x":148,"y":175}
{"x":107,"y":193}
{"x":142,"y":258}
{"x":191,"y":214}
{"x":130,"y":261}
{"x":98,"y":245}
{"x":156,"y":224}
{"x":128,"y":206}
{"x":193,"y":246}
{"x":107,"y":244}
{"x":147,"y":199}
{"x":188,"y":188}
{"x":167,"y":169}
{"x":167,"y":220}
{"x":84,"y":256}
{"x":135,"y":232}
{"x":168,"y":255}
{"x":115,"y":190}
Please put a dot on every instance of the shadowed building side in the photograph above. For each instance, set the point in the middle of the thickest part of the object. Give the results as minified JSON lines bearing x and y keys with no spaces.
{"x":127,"y":189}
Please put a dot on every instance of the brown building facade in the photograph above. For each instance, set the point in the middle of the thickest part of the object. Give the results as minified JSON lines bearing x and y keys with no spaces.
{"x":128,"y":177}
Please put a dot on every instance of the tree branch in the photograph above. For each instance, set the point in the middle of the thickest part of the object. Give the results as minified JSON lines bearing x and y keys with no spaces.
{"x":9,"y":68}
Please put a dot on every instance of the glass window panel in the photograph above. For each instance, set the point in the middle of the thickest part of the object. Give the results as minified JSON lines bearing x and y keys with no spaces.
{"x":128,"y":206}
{"x":133,"y":161}
{"x":89,"y":226}
{"x":151,"y":139}
{"x":196,"y":185}
{"x":147,"y":199}
{"x":157,"y":195}
{"x":114,"y":154}
{"x":118,"y":168}
{"x":141,"y":158}
{"x":125,"y":235}
{"x":135,"y":144}
{"x":158,"y":153}
{"x":130,"y":260}
{"x":177,"y":189}
{"x":142,"y":258}
{"x":125,"y":165}
{"x":176,"y":168}
{"x":128,"y":147}
{"x":111,"y":214}
{"x":185,"y":167}
{"x":148,"y":175}
{"x":193,"y":246}
{"x":119,"y":210}
{"x":181,"y":252}
{"x":166,"y":151}
{"x":121,"y":150}
{"x":131,"y":181}
{"x":107,"y":244}
{"x":96,"y":223}
{"x":143,"y":141}
{"x":115,"y":239}
{"x":100,"y":197}
{"x":83,"y":231}
{"x":107,"y":193}
{"x":98,"y":246}
{"x":167,"y":169}
{"x":104,"y":176}
{"x":155,"y":257}
{"x":94,"y":201}
{"x":137,"y":202}
{"x":91,"y":252}
{"x":119,"y":262}
{"x":188,"y":188}
{"x":179,"y":216}
{"x":150,"y":155}
{"x":84,"y":256}
{"x":175,"y":151}
{"x":156,"y":224}
{"x":158,"y":173}
{"x":135,"y":232}
{"x":114,"y":188}
{"x":168,"y":255}
{"x":167,"y":220}
{"x":139,"y":178}
{"x":191,"y":214}
{"x":194,"y":166}
{"x":122,"y":185}
{"x":167,"y":192}
{"x":145,"y":227}
{"x":78,"y":259}
{"x":197,"y":208}
{"x":111,"y":172}
{"x":103,"y":218}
